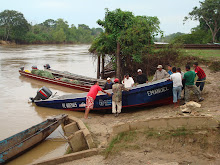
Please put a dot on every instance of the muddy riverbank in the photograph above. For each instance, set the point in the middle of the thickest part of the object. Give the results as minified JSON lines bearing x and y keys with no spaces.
{"x":160,"y":150}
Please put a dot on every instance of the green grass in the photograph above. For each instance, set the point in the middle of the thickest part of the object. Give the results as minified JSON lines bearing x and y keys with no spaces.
{"x":132,"y":140}
{"x":205,"y":54}
{"x":121,"y":138}
{"x":164,"y":135}
{"x":181,"y":132}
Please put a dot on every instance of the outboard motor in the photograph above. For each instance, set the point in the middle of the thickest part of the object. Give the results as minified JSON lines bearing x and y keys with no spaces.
{"x":42,"y":94}
{"x":46,"y":66}
{"x":22,"y":68}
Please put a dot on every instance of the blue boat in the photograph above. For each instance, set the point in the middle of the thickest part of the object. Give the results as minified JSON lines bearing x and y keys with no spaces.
{"x":25,"y":140}
{"x":153,"y":93}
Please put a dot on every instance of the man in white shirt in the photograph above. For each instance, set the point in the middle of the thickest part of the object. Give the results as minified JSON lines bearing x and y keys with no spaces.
{"x":177,"y":86}
{"x":128,"y":82}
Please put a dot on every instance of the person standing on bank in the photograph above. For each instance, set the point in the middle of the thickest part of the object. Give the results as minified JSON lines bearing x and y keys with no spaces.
{"x":201,"y":76}
{"x":128,"y":82}
{"x":108,"y":84}
{"x":183,"y":81}
{"x":160,"y":73}
{"x":117,"y":97}
{"x":177,"y":86}
{"x":169,"y":67}
{"x":91,"y":97}
{"x":189,"y":77}
{"x":141,"y":78}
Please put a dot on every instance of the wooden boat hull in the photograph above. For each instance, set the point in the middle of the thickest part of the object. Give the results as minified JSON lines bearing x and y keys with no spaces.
{"x":23,"y":141}
{"x":86,"y":80}
{"x":156,"y":93}
{"x":56,"y":82}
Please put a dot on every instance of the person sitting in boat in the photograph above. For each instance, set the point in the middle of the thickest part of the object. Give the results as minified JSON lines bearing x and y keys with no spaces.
{"x":91,"y":97}
{"x":108,"y":84}
{"x":141,"y":78}
{"x":160,"y":73}
{"x":117,"y":97}
{"x":128,"y":82}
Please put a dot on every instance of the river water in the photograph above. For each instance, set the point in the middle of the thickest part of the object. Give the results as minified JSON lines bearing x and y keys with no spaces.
{"x":16,"y":113}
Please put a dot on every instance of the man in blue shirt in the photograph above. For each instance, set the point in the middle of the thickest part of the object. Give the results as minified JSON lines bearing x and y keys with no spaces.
{"x":169,"y":67}
{"x":108,"y":84}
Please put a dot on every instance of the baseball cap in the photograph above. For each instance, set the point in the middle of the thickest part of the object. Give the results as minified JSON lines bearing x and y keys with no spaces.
{"x":116,"y":80}
{"x":108,"y":78}
{"x":139,"y":70}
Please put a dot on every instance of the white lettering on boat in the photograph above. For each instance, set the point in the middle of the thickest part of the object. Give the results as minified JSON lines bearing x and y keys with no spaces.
{"x":82,"y":104}
{"x":69,"y":105}
{"x":105,"y":102}
{"x":157,"y":91}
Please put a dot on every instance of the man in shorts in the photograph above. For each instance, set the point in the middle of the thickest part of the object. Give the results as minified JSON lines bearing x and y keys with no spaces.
{"x":91,"y":97}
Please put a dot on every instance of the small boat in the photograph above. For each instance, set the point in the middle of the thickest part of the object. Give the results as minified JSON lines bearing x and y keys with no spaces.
{"x":84,"y":83}
{"x":153,"y":93}
{"x":25,"y":140}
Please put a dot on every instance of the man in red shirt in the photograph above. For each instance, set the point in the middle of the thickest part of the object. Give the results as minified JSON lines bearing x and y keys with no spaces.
{"x":91,"y":97}
{"x":201,"y":76}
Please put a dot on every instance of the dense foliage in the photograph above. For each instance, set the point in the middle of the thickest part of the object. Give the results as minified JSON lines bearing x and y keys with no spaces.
{"x":209,"y":12}
{"x":14,"y":27}
{"x":208,"y":31}
{"x":127,"y":38}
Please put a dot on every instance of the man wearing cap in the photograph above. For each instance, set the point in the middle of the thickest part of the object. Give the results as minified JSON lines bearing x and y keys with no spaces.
{"x":108,"y":84}
{"x":141,"y":78}
{"x":117,"y":97}
{"x":160,"y":73}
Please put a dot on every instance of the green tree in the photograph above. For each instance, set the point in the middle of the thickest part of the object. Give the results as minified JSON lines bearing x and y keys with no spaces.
{"x":61,"y":24}
{"x":209,"y":11}
{"x":49,"y":23}
{"x":126,"y":37}
{"x":96,"y":31}
{"x":114,"y":23}
{"x":14,"y":24}
{"x":83,"y":26}
{"x":59,"y":36}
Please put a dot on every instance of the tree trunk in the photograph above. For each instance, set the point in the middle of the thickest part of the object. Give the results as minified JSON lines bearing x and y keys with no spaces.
{"x":103,"y":66}
{"x":98,"y":66}
{"x":118,"y":68}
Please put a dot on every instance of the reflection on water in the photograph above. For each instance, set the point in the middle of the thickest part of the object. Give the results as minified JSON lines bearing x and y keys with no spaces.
{"x":16,"y":113}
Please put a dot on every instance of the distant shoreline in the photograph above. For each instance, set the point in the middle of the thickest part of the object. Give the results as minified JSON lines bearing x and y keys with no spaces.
{"x":2,"y":42}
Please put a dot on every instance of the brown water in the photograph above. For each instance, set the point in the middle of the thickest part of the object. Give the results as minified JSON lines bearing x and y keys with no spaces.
{"x":16,"y":113}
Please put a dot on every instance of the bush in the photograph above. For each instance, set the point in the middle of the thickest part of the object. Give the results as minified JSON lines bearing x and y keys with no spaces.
{"x":215,"y":66}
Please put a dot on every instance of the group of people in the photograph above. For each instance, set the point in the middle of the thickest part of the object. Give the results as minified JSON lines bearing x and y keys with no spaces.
{"x":180,"y":80}
{"x":186,"y":81}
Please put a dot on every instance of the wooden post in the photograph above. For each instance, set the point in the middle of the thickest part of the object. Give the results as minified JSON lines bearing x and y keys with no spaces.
{"x":118,"y":68}
{"x":103,"y":67}
{"x":98,"y":66}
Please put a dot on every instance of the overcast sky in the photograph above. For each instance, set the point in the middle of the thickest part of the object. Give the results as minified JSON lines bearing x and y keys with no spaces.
{"x":170,"y":12}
